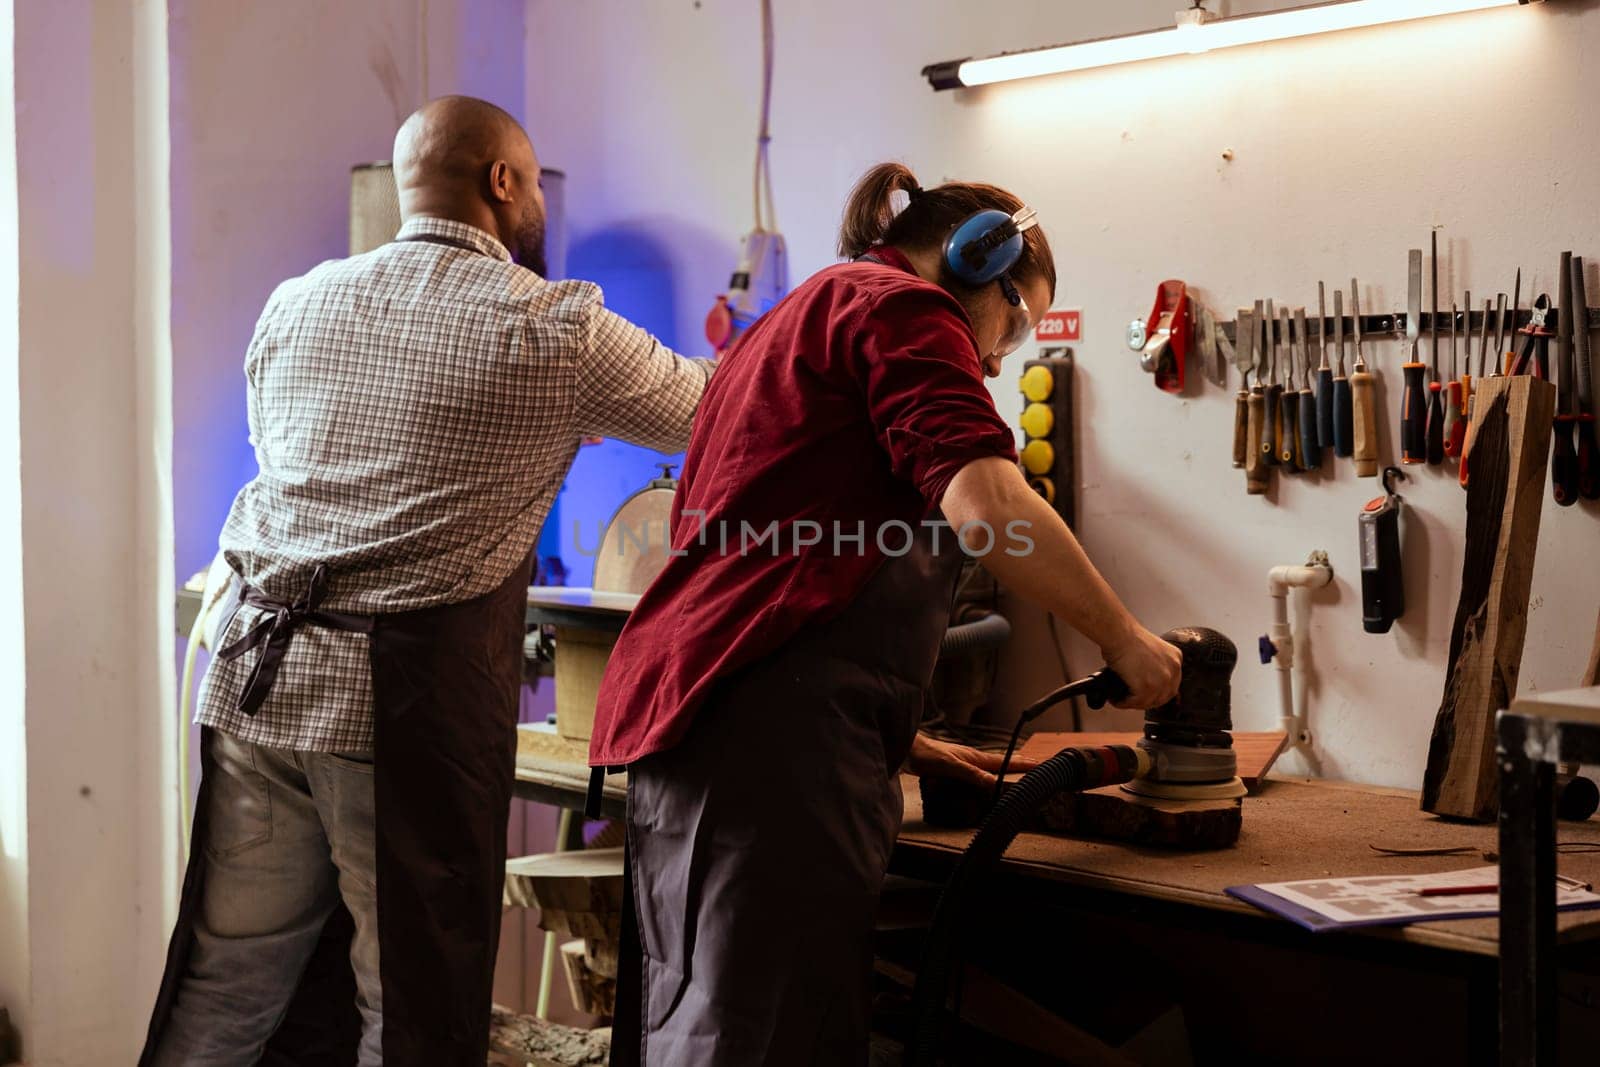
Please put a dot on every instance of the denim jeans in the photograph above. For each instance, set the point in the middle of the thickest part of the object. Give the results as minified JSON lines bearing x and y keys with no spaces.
{"x":288,"y":835}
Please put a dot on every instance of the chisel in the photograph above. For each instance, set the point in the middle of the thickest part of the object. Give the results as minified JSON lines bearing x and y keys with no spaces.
{"x":1588,"y":449}
{"x":1241,"y":402}
{"x":1362,"y":388}
{"x":1324,"y":375}
{"x":1343,"y":435}
{"x":1310,"y":452}
{"x":1563,"y":453}
{"x":1255,"y":464}
{"x":1289,"y":399}
{"x":1271,"y":428}
{"x":1435,"y":387}
{"x":1414,"y":401}
{"x":1454,"y":427}
{"x":1466,"y":364}
{"x":1509,"y":354}
{"x":1489,"y":315}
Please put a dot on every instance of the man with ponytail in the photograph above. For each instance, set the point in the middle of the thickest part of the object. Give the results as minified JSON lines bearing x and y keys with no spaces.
{"x":766,"y":693}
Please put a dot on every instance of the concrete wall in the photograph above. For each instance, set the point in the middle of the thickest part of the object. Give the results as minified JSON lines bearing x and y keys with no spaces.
{"x":1346,"y":149}
{"x":89,"y":243}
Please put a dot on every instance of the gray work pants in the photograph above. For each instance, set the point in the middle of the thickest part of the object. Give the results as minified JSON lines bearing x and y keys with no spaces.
{"x":288,"y":834}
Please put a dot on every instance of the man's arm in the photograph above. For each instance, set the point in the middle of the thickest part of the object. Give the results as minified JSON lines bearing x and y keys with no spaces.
{"x":1056,"y":574}
{"x":632,"y":387}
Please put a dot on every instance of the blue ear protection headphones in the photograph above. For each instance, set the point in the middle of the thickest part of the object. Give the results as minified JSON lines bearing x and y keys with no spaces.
{"x":987,"y":244}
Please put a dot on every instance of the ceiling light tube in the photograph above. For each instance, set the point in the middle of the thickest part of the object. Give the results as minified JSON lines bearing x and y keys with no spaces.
{"x":1205,"y":36}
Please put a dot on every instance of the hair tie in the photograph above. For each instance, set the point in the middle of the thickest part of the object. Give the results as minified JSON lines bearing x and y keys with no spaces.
{"x":914,"y":192}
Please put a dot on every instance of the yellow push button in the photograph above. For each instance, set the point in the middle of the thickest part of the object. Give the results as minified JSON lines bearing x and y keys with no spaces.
{"x":1045,"y":487}
{"x":1037,"y":383}
{"x":1038,"y":457}
{"x":1037,"y":420}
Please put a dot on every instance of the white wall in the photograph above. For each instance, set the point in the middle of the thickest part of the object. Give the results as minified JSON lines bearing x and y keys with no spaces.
{"x":1346,"y":150}
{"x":271,"y":106}
{"x":90,"y":113}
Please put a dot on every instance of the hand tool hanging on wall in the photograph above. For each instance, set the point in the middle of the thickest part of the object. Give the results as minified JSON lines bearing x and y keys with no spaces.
{"x":1241,"y":400}
{"x":1271,"y":426}
{"x":1435,"y":387}
{"x":1211,"y":345}
{"x":1455,"y":430}
{"x":1324,"y":376}
{"x":1343,"y":419}
{"x":1256,"y":472}
{"x":1363,"y":399}
{"x":1383,"y":593}
{"x":1588,"y":447}
{"x":1414,"y":402}
{"x":1507,"y":354}
{"x":1289,"y":401}
{"x":1476,"y":383}
{"x":1563,"y":453}
{"x":1309,"y":454}
{"x":1534,"y":358}
{"x":1505,"y":327}
{"x":1167,"y":334}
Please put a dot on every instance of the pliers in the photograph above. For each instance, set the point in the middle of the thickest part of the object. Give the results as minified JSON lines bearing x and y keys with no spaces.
{"x":1534,"y":358}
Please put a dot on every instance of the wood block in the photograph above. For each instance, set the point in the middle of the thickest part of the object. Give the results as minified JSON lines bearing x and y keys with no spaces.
{"x":1109,"y":812}
{"x":1112,"y":813}
{"x":1508,"y":443}
{"x":592,"y":993}
{"x":581,"y":657}
{"x":578,"y":894}
{"x":530,"y":1040}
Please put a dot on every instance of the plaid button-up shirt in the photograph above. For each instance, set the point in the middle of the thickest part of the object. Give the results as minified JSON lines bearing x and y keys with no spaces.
{"x":413,"y":412}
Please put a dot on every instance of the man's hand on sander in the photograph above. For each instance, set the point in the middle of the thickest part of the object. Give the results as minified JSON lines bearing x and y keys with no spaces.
{"x":1149,"y":666}
{"x":943,"y":759}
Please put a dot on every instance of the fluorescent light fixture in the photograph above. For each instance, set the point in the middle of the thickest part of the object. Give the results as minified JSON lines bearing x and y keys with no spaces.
{"x":1191,"y":35}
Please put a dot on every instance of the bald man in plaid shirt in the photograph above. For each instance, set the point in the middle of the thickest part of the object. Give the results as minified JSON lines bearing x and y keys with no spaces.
{"x":413,"y":411}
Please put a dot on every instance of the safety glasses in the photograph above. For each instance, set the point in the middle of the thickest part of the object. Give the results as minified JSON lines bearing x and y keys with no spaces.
{"x":1020,"y":322}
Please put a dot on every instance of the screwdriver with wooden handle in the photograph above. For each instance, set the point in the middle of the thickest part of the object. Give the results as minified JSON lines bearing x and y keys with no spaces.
{"x":1455,"y":428}
{"x":1309,"y":454}
{"x":1256,"y":473}
{"x":1288,"y":401}
{"x":1271,"y":425}
{"x":1435,"y":387}
{"x":1343,"y":430}
{"x":1414,"y":400}
{"x":1245,"y":323}
{"x":1363,"y":389}
{"x":1324,"y":376}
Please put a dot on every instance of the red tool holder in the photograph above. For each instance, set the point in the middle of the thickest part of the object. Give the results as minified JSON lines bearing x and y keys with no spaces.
{"x":1167,"y":332}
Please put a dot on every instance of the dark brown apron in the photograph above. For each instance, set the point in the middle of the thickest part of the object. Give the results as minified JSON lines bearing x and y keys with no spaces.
{"x":757,"y":846}
{"x":445,"y":688}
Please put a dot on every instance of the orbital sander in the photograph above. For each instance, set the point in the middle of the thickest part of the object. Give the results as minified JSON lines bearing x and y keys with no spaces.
{"x":1188,"y":738}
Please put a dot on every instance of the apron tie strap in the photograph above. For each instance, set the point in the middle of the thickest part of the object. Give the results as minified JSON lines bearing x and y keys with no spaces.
{"x":274,"y":632}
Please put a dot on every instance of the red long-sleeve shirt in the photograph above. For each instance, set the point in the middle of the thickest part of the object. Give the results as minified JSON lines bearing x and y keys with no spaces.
{"x":850,"y":405}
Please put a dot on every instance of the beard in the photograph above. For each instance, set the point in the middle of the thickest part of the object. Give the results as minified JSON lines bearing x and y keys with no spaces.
{"x":529,"y":252}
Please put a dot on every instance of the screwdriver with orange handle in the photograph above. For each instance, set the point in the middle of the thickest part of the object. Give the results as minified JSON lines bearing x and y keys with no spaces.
{"x":1455,"y":427}
{"x":1363,"y":387}
{"x":1414,"y":401}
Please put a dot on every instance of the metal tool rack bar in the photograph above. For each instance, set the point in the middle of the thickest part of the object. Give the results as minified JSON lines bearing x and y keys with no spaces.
{"x":1532,"y":738}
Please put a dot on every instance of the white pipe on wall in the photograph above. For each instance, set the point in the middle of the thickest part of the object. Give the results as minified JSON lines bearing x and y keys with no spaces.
{"x":1313,"y":574}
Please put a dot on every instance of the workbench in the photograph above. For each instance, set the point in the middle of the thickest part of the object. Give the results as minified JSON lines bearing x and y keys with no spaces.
{"x":1172,"y":904}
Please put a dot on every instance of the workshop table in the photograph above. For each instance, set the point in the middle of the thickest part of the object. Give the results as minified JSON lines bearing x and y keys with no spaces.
{"x":1293,"y":829}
